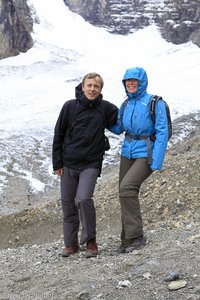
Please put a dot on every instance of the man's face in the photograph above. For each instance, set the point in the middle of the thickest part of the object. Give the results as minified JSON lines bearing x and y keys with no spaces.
{"x":131,"y":85}
{"x":92,"y":88}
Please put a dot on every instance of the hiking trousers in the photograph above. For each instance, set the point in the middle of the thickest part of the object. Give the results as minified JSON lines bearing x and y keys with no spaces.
{"x":77,"y":188}
{"x":132,"y":174}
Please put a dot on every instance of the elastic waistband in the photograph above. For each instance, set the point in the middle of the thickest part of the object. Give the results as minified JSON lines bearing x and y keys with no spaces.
{"x":147,"y":138}
{"x":136,"y":136}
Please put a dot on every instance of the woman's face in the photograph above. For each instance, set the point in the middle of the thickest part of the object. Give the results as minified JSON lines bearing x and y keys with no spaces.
{"x":131,"y":85}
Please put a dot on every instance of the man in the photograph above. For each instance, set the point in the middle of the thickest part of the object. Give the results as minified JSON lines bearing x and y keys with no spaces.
{"x":78,"y":150}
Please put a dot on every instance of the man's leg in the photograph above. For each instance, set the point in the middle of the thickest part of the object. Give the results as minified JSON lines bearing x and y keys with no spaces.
{"x":69,"y":184}
{"x":85,"y":203}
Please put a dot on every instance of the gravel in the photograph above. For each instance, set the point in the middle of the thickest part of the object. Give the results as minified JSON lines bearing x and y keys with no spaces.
{"x":166,"y":268}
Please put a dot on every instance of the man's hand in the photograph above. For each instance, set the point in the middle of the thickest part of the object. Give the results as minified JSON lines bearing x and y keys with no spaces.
{"x":59,"y":172}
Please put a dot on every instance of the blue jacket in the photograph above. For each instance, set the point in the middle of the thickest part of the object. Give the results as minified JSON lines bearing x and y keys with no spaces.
{"x":137,"y":120}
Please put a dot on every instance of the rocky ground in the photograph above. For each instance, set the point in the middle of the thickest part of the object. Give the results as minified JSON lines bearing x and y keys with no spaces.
{"x":166,"y":268}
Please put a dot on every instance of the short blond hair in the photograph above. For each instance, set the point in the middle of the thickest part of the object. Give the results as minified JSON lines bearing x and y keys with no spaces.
{"x":91,"y":76}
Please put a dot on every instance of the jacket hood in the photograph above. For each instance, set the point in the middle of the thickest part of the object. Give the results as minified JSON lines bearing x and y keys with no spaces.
{"x":78,"y":91}
{"x":139,"y":74}
{"x":81,"y":97}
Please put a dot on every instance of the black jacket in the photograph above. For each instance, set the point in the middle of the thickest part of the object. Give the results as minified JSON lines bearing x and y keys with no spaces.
{"x":79,"y":132}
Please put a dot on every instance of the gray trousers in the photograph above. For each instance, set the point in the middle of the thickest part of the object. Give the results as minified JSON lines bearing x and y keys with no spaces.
{"x":77,"y":188}
{"x":133,"y":173}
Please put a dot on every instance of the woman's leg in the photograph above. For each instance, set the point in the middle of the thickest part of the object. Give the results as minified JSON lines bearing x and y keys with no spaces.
{"x":133,"y":173}
{"x":125,"y":165}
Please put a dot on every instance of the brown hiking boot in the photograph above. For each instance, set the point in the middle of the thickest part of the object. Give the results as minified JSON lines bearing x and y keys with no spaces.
{"x":91,"y":249}
{"x":70,"y":250}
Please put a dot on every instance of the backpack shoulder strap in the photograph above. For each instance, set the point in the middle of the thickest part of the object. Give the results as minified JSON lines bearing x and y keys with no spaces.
{"x":122,"y":111}
{"x":102,"y":112}
{"x":72,"y":108}
{"x":106,"y":139}
{"x":154,"y":99}
{"x":72,"y":111}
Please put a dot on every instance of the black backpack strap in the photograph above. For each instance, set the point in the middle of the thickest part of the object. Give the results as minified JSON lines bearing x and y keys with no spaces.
{"x":102,"y":114}
{"x":106,"y":140}
{"x":72,"y":111}
{"x":154,"y":99}
{"x":122,"y":112}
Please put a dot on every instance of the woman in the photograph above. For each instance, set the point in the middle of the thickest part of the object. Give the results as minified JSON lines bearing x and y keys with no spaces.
{"x":140,"y":155}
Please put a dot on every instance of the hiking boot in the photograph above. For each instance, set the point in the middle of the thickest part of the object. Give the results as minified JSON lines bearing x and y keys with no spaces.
{"x":91,"y":249}
{"x":122,"y":248}
{"x":82,"y":247}
{"x":70,"y":250}
{"x":136,"y":244}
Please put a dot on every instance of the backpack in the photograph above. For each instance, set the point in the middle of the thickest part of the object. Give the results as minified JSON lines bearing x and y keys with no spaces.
{"x":154,"y":100}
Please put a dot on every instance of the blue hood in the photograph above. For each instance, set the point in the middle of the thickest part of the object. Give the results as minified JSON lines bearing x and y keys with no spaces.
{"x":139,"y":74}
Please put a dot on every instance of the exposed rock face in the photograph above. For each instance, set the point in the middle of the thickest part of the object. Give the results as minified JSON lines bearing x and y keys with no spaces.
{"x":15,"y":27}
{"x":179,"y":21}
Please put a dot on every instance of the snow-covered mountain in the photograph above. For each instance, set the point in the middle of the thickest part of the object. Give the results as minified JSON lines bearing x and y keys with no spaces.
{"x":178,"y":21}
